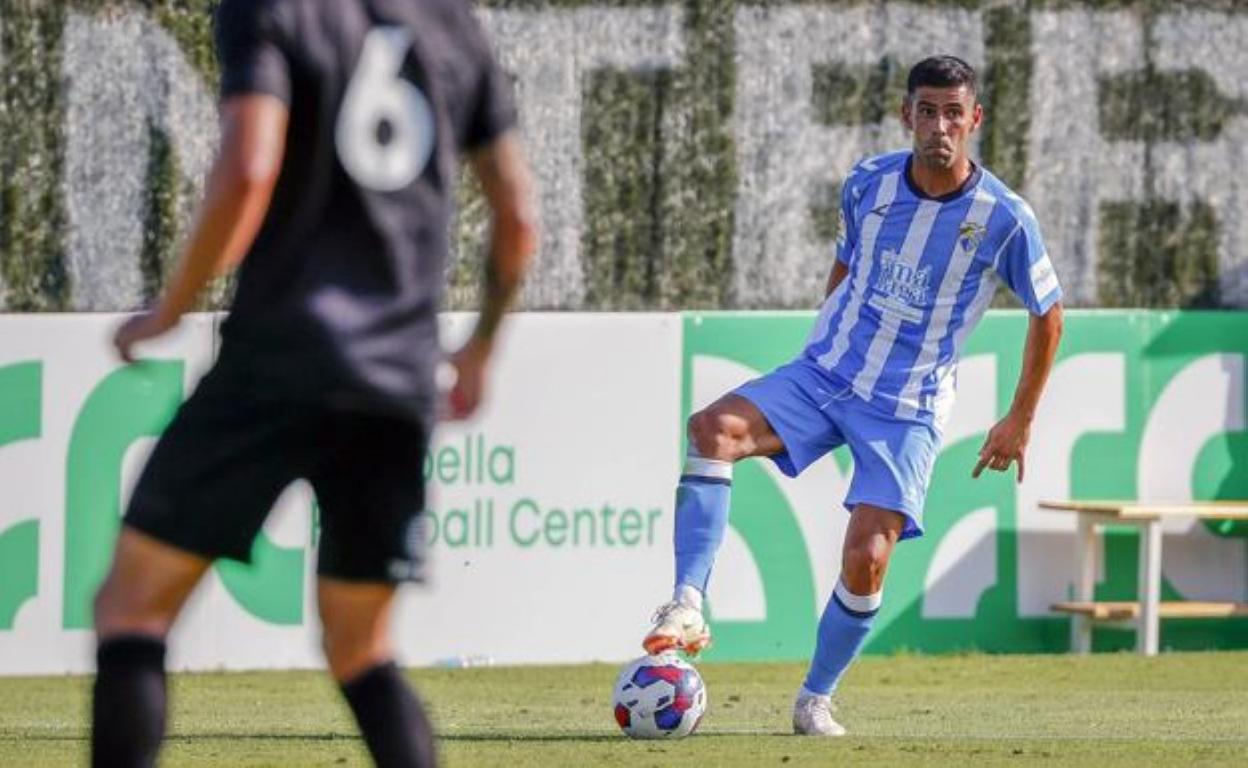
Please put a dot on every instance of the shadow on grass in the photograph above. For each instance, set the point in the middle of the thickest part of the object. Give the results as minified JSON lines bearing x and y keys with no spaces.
{"x":597,"y":737}
{"x":586,"y":737}
{"x":193,"y":737}
{"x":466,"y":737}
{"x":532,"y":737}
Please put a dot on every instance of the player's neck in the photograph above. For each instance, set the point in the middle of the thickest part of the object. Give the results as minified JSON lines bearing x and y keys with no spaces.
{"x":937,"y":182}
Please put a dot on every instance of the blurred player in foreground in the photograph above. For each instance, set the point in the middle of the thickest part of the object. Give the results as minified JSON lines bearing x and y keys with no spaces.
{"x":342,"y":122}
{"x":926,"y":236}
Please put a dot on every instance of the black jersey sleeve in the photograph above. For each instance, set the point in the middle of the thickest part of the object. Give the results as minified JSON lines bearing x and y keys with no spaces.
{"x":491,"y":110}
{"x":248,"y":46}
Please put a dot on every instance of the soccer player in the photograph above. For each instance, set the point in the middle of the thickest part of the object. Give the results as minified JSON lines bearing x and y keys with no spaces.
{"x":926,"y":236}
{"x":342,"y":123}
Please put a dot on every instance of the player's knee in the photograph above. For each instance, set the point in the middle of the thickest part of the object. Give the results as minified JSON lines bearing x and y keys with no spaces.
{"x":710,"y":434}
{"x":700,"y":430}
{"x":118,"y":611}
{"x":336,"y":651}
{"x":355,"y":626}
{"x":864,"y":564}
{"x":102,"y":608}
{"x":112,"y":611}
{"x":350,"y":647}
{"x":349,"y":654}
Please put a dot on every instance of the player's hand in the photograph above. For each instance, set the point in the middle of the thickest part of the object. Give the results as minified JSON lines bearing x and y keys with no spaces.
{"x":140,"y":327}
{"x":469,"y":364}
{"x":1006,"y":443}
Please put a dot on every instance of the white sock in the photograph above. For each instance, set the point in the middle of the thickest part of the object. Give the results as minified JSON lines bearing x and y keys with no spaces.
{"x":690,"y":596}
{"x":806,"y":693}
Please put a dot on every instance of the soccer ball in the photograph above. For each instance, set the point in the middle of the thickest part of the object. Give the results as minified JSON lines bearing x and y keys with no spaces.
{"x":659,"y":697}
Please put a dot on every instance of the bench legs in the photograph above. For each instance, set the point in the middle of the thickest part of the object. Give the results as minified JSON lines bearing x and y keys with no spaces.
{"x":1147,"y":623}
{"x":1148,"y":627}
{"x":1085,"y":584}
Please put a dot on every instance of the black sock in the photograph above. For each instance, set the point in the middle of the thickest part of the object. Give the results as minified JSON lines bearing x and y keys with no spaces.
{"x":394,"y":724}
{"x":129,"y":708}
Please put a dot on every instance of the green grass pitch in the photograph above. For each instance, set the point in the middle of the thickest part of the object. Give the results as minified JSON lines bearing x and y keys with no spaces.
{"x":1104,"y":710}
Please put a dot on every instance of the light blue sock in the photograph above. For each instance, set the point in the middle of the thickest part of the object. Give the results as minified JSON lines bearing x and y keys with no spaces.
{"x":702,"y":500}
{"x":842,"y":630}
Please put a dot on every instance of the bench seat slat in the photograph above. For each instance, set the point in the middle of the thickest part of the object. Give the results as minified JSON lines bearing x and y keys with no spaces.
{"x":1113,"y":611}
{"x":1138,"y":510}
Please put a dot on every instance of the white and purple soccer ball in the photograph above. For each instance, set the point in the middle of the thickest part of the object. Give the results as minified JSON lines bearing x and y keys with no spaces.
{"x":659,"y":697}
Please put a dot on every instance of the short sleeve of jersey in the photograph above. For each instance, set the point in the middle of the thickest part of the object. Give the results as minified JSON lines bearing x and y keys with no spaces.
{"x":847,"y":229}
{"x":491,"y":110}
{"x":252,"y":60}
{"x":1026,"y":269}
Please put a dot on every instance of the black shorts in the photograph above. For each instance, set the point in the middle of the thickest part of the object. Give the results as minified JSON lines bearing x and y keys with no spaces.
{"x":228,"y":454}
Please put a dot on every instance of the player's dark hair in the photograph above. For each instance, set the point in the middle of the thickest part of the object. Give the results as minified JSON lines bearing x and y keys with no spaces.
{"x":941,"y":72}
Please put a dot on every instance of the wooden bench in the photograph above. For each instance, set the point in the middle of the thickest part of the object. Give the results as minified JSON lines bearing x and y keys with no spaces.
{"x":1144,"y":615}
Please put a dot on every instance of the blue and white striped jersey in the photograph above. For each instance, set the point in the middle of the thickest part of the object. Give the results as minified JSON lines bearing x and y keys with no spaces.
{"x":921,"y":273}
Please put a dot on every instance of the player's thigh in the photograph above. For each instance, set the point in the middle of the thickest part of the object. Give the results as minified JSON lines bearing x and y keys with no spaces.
{"x":792,"y":401}
{"x":893,"y":462}
{"x":217,"y":470}
{"x":351,"y":607}
{"x":355,"y":617}
{"x":146,"y":586}
{"x":370,"y":489}
{"x":733,"y":428}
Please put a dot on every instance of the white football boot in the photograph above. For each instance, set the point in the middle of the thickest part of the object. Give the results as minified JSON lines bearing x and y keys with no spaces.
{"x":678,"y":626}
{"x":812,"y":716}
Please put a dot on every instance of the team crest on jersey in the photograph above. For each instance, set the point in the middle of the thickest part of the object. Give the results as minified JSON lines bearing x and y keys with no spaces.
{"x":903,"y":289}
{"x":970,"y":235}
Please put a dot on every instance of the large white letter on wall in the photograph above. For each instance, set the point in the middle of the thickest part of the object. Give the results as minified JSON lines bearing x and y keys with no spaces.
{"x":785,"y":155}
{"x":126,"y":76}
{"x":549,"y":53}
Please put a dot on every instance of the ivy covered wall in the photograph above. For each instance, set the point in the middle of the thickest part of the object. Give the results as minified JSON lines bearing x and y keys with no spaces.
{"x":689,"y":153}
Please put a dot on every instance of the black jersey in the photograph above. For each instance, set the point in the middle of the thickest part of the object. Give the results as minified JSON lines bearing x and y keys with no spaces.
{"x":337,"y":299}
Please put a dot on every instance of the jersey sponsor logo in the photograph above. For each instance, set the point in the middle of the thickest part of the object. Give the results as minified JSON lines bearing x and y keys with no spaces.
{"x":902,"y":289}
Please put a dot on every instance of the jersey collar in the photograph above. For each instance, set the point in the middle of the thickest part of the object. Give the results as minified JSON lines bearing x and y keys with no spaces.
{"x":967,"y":185}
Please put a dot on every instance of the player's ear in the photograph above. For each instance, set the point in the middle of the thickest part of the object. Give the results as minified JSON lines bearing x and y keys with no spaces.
{"x":906,"y":113}
{"x":977,"y":115}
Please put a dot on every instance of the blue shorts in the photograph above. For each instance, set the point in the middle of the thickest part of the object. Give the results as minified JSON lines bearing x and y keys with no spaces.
{"x":813,"y":413}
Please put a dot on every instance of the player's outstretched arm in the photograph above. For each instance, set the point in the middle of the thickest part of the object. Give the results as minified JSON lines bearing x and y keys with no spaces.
{"x":1007,"y":441}
{"x":508,"y":187}
{"x":236,"y":199}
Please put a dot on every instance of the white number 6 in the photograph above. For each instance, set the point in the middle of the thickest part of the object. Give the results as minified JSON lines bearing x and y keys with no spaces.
{"x":385,"y":129}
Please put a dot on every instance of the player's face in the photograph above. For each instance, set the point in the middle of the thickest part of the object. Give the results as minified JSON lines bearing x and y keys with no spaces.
{"x":942,"y":121}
